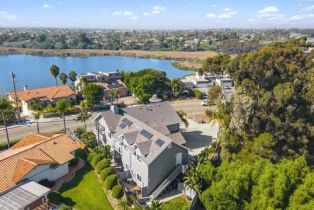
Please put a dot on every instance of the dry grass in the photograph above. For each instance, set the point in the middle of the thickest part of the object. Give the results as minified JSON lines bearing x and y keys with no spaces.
{"x":176,"y":55}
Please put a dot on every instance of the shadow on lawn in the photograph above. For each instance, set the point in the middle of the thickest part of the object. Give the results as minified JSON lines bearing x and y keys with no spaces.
{"x":74,"y":182}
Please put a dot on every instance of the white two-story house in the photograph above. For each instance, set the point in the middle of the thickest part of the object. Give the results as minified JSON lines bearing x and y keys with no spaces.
{"x":148,"y":142}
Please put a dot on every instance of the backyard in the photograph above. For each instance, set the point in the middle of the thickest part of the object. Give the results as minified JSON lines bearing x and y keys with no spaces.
{"x":180,"y":203}
{"x":84,"y":191}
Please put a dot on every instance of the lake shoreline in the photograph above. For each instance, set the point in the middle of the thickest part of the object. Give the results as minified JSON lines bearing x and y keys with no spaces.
{"x":187,"y":58}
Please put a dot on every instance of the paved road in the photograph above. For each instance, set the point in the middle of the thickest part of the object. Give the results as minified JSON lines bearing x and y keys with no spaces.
{"x":17,"y":133}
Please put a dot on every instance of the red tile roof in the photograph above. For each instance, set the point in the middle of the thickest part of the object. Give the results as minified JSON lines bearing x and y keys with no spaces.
{"x":52,"y":92}
{"x":15,"y":164}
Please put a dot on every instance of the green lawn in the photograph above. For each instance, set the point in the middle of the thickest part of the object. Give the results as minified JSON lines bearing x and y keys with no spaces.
{"x":84,"y":191}
{"x":179,"y":203}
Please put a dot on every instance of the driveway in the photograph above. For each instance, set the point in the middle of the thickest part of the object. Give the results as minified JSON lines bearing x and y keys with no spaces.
{"x":199,"y":136}
{"x":193,"y":108}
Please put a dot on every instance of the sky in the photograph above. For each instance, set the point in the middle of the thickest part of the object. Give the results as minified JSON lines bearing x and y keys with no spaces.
{"x":161,"y":14}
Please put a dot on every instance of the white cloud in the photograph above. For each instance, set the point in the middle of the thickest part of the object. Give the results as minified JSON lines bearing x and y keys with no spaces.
{"x":269,"y":13}
{"x":7,"y":16}
{"x":46,"y":6}
{"x":251,"y":19}
{"x":123,"y":13}
{"x":308,"y":8}
{"x":155,"y":11}
{"x":301,"y":17}
{"x":227,"y":13}
{"x":128,"y":13}
{"x":134,"y":18}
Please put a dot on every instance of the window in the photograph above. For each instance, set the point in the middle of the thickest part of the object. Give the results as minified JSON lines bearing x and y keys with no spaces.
{"x":138,"y":158}
{"x":139,"y":178}
{"x":125,"y":147}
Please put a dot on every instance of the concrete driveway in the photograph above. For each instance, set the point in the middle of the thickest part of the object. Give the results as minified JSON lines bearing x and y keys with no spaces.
{"x":199,"y":136}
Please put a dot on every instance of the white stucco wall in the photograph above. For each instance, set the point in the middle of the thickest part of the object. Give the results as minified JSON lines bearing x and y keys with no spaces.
{"x":46,"y":172}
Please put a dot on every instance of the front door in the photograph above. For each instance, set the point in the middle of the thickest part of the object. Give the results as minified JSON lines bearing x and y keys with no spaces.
{"x":179,"y":159}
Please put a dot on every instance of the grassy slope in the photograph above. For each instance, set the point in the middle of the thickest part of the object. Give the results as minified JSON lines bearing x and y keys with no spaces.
{"x":179,"y":203}
{"x":84,"y":191}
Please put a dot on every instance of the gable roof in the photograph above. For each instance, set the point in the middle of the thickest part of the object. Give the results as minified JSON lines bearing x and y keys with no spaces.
{"x":15,"y":164}
{"x":154,"y":115}
{"x":52,"y":92}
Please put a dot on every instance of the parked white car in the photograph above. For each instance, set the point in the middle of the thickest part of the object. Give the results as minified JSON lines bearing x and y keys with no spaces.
{"x":204,"y":102}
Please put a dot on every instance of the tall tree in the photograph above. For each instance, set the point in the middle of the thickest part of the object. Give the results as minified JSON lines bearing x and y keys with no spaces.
{"x":183,"y":117}
{"x":93,"y":93}
{"x":54,"y":70}
{"x":114,"y":93}
{"x":72,"y":76}
{"x":36,"y":116}
{"x":62,"y":107}
{"x":83,"y":116}
{"x":176,"y":87}
{"x":5,"y":108}
{"x":63,"y":77}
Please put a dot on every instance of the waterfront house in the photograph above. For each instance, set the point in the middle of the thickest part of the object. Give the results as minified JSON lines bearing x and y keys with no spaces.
{"x":107,"y":80}
{"x":147,"y":141}
{"x":48,"y":95}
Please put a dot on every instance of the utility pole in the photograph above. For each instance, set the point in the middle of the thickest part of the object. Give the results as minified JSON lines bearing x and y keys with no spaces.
{"x":16,"y":99}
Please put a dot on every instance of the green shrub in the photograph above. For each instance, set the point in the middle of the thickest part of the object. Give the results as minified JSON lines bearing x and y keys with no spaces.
{"x":198,"y":94}
{"x":46,"y":183}
{"x":96,"y":159}
{"x":54,"y":197}
{"x":65,"y":207}
{"x":105,"y":173}
{"x":90,"y":157}
{"x":111,"y":181}
{"x":117,"y":191}
{"x":74,"y":162}
{"x":102,"y":164}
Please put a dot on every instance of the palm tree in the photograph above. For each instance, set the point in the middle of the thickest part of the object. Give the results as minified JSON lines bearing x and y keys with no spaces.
{"x":72,"y":76}
{"x":156,"y":205}
{"x":123,"y":204}
{"x":36,"y":116}
{"x":5,"y":107}
{"x":54,"y":70}
{"x":83,"y":116}
{"x":192,"y":180}
{"x":62,"y":106}
{"x":63,"y":77}
{"x":114,"y":92}
{"x":183,"y":117}
{"x":176,"y":87}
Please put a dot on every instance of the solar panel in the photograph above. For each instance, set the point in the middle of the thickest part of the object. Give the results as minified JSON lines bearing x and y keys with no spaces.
{"x":159,"y":142}
{"x":146,"y":134}
{"x":122,"y":125}
{"x":126,"y":121}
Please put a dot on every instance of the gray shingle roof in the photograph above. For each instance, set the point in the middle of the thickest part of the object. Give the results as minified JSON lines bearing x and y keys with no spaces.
{"x":111,"y":119}
{"x":141,"y":120}
{"x":131,"y":137}
{"x":154,"y":115}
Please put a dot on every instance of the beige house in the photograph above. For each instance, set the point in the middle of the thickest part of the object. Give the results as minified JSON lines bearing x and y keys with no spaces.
{"x":36,"y":157}
{"x":49,"y":95}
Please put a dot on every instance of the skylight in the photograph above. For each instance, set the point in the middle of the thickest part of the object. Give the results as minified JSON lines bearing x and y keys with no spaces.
{"x":146,"y":134}
{"x":159,"y":142}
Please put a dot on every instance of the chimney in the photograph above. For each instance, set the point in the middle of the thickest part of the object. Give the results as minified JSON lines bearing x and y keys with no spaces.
{"x":114,"y":109}
{"x":25,"y":87}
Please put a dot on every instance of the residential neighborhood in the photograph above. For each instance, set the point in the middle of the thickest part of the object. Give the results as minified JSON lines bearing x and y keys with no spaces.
{"x":157,"y":105}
